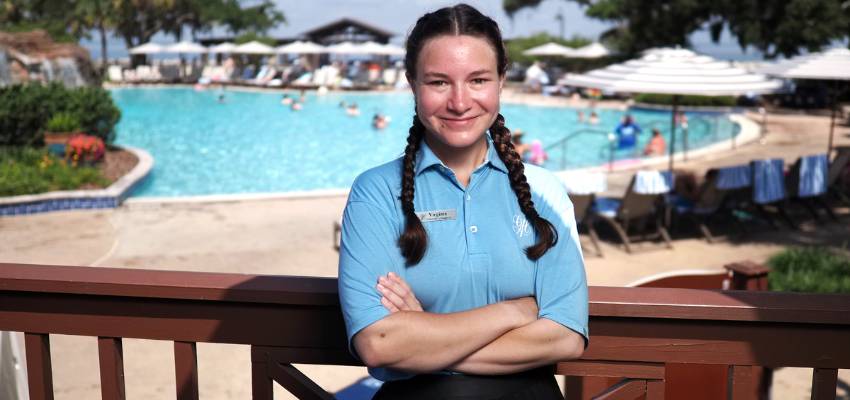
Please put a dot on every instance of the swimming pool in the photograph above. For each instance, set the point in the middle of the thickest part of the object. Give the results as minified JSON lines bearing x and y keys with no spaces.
{"x":250,"y":143}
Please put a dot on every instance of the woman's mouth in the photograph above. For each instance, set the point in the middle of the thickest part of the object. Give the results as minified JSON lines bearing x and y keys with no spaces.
{"x":458,"y":123}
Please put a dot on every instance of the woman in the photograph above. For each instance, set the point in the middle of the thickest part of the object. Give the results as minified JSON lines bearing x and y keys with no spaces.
{"x":460,"y":272}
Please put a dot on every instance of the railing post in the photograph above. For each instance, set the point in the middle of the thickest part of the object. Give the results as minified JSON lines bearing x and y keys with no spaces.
{"x":740,"y":383}
{"x":39,"y":369}
{"x":261,"y":381}
{"x":111,"y":355}
{"x":824,"y":383}
{"x":748,"y":275}
{"x":186,"y":370}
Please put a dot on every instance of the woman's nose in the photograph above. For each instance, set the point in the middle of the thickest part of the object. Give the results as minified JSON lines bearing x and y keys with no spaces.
{"x":459,"y":100}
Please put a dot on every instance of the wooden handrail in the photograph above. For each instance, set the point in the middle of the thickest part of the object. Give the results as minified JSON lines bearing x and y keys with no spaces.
{"x":634,"y":331}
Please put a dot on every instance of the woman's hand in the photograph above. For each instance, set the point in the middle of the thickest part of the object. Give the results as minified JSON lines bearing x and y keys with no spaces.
{"x":396,"y":294}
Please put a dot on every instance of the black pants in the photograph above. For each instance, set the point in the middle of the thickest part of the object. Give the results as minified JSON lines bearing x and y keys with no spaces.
{"x":537,"y":384}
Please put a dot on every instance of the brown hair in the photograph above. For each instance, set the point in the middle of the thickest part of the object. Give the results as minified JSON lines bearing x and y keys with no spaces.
{"x":463,"y":19}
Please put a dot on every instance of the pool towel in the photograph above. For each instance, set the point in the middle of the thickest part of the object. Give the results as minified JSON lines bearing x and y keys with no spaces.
{"x":584,"y":182}
{"x":768,"y":181}
{"x":651,"y":182}
{"x":813,"y":171}
{"x":731,"y":178}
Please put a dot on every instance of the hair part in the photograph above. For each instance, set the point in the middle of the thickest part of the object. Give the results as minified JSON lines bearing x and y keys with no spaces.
{"x":458,"y":20}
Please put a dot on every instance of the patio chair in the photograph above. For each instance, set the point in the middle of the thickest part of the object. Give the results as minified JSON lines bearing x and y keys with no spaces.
{"x":769,"y":190}
{"x":642,"y":205}
{"x":582,"y":188}
{"x":839,"y":165}
{"x":114,"y":74}
{"x":806,"y":183}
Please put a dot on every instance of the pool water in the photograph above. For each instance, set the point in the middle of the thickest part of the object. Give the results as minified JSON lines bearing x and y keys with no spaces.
{"x":250,"y":143}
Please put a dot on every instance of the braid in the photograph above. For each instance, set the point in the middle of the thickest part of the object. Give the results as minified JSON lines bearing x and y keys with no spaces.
{"x":547,"y":236}
{"x":414,"y":239}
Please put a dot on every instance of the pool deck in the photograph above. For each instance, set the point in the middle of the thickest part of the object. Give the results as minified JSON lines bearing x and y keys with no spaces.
{"x":293,"y":236}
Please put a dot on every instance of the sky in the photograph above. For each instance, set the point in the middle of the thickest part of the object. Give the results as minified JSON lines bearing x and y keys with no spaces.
{"x":398,"y":16}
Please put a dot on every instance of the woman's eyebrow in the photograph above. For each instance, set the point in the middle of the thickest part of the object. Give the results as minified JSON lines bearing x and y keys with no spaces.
{"x":445,"y":76}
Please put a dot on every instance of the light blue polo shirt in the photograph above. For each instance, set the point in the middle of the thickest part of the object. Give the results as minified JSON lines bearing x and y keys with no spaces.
{"x":476,"y":241}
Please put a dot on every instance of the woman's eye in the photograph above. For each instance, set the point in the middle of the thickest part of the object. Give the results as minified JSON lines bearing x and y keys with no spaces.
{"x":479,"y":81}
{"x":438,"y":83}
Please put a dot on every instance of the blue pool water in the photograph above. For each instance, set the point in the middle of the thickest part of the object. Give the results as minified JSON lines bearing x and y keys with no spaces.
{"x":253,"y":144}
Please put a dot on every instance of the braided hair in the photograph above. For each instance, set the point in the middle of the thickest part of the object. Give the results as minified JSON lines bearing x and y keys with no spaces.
{"x":463,"y":19}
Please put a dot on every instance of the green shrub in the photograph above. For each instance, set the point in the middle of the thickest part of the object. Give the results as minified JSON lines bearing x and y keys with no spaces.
{"x":62,"y":122}
{"x":810,"y":269}
{"x":26,"y":170}
{"x":698,"y":101}
{"x":26,"y":109}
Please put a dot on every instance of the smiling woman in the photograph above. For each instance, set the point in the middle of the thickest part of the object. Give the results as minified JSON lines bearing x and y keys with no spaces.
{"x":460,"y":272}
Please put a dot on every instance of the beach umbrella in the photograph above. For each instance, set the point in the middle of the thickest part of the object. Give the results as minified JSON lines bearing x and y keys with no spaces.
{"x":185,"y":48}
{"x":393,"y":50}
{"x":593,"y":50}
{"x":675,"y":72}
{"x":299,"y":47}
{"x":225,"y":47}
{"x":831,"y":65}
{"x":380,"y":49}
{"x":147,"y":48}
{"x":253,"y":47}
{"x":550,"y":49}
{"x":348,"y":48}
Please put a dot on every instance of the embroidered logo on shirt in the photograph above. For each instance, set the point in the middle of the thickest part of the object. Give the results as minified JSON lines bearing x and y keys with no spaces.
{"x":437,"y":215}
{"x":521,"y":227}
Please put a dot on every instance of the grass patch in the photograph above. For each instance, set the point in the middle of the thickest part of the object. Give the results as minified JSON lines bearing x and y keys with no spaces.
{"x":25,"y":170}
{"x":811,"y":270}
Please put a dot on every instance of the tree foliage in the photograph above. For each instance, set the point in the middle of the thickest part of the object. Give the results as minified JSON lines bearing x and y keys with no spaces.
{"x":773,"y":27}
{"x":137,"y":21}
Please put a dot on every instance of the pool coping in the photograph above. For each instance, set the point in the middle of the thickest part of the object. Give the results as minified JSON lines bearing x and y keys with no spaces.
{"x":109,"y":197}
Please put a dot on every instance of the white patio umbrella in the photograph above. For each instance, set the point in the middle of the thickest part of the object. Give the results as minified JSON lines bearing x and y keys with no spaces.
{"x":379,"y":49}
{"x":831,"y":65}
{"x":348,"y":48}
{"x":675,"y":72}
{"x":393,"y":50}
{"x":225,"y":47}
{"x":185,"y":47}
{"x":593,"y":50}
{"x":550,"y":49}
{"x":299,"y":47}
{"x":147,"y":48}
{"x":253,"y":47}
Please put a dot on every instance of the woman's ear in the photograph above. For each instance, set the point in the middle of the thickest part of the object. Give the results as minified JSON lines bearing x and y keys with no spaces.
{"x":502,"y":82}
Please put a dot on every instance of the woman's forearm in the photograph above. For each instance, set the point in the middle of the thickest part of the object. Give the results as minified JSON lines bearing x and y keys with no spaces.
{"x":426,"y":342}
{"x":542,"y":342}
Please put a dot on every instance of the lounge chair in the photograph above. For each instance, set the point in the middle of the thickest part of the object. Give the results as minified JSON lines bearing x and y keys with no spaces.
{"x":769,"y":190}
{"x":582,"y":188}
{"x":806,"y":183}
{"x":837,"y":167}
{"x":716,"y":197}
{"x":114,"y":74}
{"x":642,"y":205}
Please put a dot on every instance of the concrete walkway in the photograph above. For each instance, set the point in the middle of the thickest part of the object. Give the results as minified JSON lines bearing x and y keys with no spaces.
{"x":293,"y":237}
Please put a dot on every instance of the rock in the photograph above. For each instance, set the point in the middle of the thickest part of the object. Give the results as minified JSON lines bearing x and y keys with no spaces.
{"x":34,"y":56}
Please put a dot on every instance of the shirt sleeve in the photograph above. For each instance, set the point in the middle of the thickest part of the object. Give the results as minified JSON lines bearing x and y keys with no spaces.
{"x":368,"y":250}
{"x":560,"y":280}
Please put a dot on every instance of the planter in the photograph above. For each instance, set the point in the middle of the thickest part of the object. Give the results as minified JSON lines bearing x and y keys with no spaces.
{"x":57,"y":141}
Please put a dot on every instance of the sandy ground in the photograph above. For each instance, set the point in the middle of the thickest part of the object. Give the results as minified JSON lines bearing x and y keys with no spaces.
{"x":293,"y":237}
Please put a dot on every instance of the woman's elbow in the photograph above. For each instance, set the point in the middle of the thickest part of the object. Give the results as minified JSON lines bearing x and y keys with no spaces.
{"x":372,"y":350}
{"x":573,"y":347}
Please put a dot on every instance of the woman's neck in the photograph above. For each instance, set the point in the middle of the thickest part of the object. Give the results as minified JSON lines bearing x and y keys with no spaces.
{"x":462,"y":161}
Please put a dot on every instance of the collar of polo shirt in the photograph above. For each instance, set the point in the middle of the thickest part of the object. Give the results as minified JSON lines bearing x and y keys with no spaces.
{"x":426,"y":158}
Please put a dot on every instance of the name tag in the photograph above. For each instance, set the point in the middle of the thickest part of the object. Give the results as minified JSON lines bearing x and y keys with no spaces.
{"x":437,"y":215}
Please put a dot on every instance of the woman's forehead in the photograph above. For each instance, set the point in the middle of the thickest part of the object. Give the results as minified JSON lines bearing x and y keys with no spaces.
{"x":456,"y":52}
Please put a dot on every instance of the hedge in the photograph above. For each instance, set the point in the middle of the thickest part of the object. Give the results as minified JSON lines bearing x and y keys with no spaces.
{"x":810,"y":269}
{"x":698,"y":101}
{"x":26,"y":109}
{"x":26,"y":170}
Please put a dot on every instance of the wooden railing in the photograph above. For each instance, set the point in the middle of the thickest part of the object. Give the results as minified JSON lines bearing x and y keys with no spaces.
{"x":635,"y":332}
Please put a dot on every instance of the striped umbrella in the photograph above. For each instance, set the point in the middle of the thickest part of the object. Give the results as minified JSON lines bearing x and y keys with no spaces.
{"x":830,"y":65}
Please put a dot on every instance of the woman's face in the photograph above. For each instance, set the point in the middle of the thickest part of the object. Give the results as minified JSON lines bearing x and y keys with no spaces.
{"x":457,"y":90}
